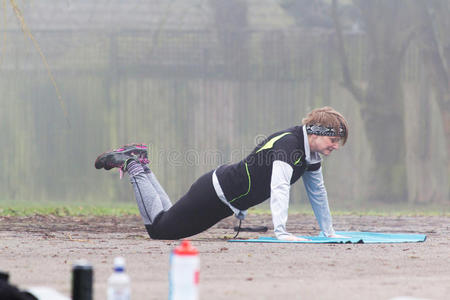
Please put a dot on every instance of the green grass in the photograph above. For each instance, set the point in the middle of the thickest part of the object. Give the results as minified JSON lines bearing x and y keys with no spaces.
{"x":126,"y":209}
{"x":62,"y":210}
{"x":382,"y":211}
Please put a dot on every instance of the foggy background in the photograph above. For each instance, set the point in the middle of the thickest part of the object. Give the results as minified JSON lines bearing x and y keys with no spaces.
{"x":203,"y":81}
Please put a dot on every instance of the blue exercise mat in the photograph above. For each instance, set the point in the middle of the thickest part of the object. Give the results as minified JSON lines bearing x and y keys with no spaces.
{"x":355,"y":237}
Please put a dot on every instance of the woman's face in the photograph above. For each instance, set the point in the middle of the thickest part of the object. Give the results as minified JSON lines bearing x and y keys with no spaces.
{"x":323,"y":144}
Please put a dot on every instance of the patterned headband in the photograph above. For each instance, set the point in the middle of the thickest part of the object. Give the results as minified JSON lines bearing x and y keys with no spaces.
{"x":326,"y":131}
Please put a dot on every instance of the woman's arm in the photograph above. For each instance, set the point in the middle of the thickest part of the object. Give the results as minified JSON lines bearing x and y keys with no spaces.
{"x":317,"y":194}
{"x":280,"y":185}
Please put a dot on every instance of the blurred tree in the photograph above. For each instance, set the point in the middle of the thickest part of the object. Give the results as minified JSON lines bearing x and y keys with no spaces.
{"x":391,"y":26}
{"x":309,"y":13}
{"x":231,"y":25}
{"x":389,"y":34}
{"x":230,"y":18}
{"x":425,"y":181}
{"x":435,"y":48}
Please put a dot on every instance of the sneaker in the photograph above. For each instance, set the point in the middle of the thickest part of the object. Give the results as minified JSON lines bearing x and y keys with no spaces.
{"x":118,"y":158}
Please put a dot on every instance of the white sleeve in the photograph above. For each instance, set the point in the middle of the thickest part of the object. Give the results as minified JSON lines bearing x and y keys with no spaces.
{"x":280,"y":185}
{"x":317,"y":194}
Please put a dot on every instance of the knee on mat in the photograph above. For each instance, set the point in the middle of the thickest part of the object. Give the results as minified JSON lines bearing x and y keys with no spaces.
{"x":155,"y":234}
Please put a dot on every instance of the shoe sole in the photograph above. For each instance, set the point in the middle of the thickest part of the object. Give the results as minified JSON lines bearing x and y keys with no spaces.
{"x":100,"y":163}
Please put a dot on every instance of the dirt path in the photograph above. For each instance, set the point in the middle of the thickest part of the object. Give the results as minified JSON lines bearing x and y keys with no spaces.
{"x":40,"y":251}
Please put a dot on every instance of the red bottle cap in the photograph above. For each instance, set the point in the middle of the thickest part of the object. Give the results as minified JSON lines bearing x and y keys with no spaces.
{"x":185,"y":248}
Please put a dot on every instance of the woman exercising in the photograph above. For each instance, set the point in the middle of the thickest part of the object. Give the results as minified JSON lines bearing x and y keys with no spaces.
{"x":266,"y":173}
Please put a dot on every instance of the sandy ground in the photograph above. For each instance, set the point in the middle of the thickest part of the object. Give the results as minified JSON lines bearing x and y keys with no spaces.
{"x":40,"y":251}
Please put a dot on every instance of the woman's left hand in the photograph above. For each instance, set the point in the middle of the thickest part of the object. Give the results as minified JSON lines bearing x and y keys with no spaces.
{"x":292,"y":238}
{"x":338,"y":236}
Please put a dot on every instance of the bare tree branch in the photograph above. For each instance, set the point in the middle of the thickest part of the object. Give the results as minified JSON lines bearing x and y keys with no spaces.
{"x":28,"y":34}
{"x":440,"y":72}
{"x":407,"y":42}
{"x":348,"y":81}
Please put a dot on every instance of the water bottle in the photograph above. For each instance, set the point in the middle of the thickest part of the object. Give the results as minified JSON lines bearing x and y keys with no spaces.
{"x":82,"y":280}
{"x":119,"y":281}
{"x":184,"y":272}
{"x":4,"y":276}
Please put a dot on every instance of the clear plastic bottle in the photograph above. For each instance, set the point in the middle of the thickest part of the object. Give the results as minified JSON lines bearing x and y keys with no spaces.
{"x":119,"y":282}
{"x":184,"y":272}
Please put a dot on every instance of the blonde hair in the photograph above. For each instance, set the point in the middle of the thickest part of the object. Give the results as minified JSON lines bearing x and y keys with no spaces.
{"x":327,"y":117}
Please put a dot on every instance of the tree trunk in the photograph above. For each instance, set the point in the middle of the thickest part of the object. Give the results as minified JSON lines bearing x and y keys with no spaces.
{"x":436,"y":56}
{"x":381,"y":103}
{"x":383,"y":118}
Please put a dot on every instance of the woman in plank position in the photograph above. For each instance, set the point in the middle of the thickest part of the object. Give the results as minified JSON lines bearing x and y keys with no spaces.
{"x":266,"y":173}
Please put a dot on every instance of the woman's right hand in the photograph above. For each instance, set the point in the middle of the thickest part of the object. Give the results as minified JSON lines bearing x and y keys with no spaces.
{"x":292,"y":238}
